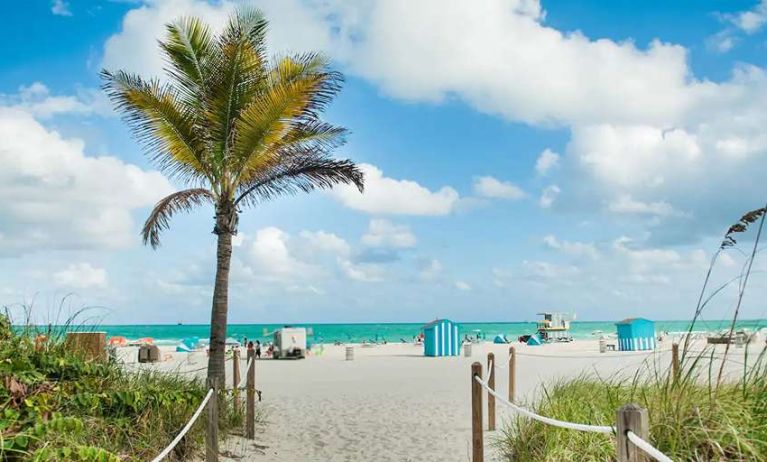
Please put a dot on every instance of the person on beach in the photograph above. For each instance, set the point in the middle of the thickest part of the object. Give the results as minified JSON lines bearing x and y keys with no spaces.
{"x":258,"y":348}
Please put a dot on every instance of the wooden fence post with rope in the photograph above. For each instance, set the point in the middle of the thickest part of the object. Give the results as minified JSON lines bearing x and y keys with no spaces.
{"x":211,"y":436}
{"x":491,"y":398}
{"x":236,"y":379}
{"x":631,"y":418}
{"x":250,"y":411}
{"x":477,"y":442}
{"x":512,"y":373}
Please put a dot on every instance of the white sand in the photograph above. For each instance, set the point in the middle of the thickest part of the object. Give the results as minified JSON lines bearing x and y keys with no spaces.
{"x":392,"y":404}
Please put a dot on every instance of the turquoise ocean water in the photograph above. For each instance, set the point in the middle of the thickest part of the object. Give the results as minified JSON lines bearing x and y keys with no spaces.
{"x":393,"y":332}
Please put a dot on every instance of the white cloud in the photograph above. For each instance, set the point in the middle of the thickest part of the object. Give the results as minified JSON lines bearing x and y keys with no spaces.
{"x":383,"y":233}
{"x":547,"y":160}
{"x":626,"y":204}
{"x":487,"y":186}
{"x":548,"y":196}
{"x":269,"y":252}
{"x":81,"y":276}
{"x":387,"y":196}
{"x":462,"y":285}
{"x":575,"y":248}
{"x":363,"y":272}
{"x":37,"y":100}
{"x":54,"y":196}
{"x":60,"y":8}
{"x":324,"y":242}
{"x":752,"y":20}
{"x":637,"y":114}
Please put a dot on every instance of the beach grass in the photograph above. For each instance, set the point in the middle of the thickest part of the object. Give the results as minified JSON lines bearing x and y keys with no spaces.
{"x":690,"y":417}
{"x":55,"y":406}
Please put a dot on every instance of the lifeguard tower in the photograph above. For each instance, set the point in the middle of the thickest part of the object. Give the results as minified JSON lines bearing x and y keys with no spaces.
{"x":555,"y":327}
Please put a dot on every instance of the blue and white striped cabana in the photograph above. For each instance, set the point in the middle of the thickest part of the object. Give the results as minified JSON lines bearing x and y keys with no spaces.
{"x":441,"y":338}
{"x":636,"y":334}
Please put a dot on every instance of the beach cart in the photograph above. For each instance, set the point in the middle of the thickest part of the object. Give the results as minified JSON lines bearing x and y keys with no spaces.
{"x":290,"y":342}
{"x":636,"y":334}
{"x":441,"y":338}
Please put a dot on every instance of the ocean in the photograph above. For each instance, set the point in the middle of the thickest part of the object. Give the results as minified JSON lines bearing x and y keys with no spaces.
{"x":393,"y":332}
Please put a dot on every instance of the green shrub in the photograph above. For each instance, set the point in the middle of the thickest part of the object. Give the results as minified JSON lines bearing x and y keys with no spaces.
{"x":54,"y":406}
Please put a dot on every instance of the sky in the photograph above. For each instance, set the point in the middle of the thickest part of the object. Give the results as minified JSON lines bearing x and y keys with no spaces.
{"x":519,"y":156}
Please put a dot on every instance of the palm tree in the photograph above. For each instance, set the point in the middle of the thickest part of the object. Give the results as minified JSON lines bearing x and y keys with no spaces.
{"x":236,"y":129}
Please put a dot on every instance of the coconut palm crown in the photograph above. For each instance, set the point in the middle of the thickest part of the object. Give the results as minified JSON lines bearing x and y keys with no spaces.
{"x":234,"y":127}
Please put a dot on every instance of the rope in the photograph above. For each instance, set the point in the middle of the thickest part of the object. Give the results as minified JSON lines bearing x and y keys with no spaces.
{"x":648,"y":448}
{"x":184,"y":430}
{"x":245,"y":375}
{"x":546,"y":420}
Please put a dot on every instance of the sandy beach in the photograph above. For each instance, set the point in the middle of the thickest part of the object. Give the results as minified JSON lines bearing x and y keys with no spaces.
{"x":393,"y":404}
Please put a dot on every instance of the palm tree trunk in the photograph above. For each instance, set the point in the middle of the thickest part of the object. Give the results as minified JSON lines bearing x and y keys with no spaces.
{"x":218,"y":316}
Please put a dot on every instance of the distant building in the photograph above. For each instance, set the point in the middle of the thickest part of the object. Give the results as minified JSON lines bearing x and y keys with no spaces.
{"x":441,"y":338}
{"x":636,"y":334}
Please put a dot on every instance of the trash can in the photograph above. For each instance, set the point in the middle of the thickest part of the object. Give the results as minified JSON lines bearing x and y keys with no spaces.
{"x":467,"y":350}
{"x":349,"y":353}
{"x":602,"y":345}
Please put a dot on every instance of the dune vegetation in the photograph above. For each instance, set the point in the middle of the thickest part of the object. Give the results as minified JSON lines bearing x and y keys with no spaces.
{"x":55,"y":406}
{"x":690,"y":417}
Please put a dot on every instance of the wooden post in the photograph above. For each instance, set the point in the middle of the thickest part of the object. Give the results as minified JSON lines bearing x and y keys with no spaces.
{"x":211,"y":436}
{"x":250,"y":407}
{"x":477,"y":442}
{"x":491,"y":398}
{"x":633,"y":418}
{"x":512,"y":373}
{"x":236,"y":379}
{"x":675,"y":360}
{"x":92,"y":346}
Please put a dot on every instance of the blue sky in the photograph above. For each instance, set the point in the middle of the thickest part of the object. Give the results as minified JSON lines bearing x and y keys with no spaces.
{"x":520,"y":156}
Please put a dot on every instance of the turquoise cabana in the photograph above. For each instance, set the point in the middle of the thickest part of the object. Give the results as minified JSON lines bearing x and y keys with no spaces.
{"x":441,"y":338}
{"x":636,"y":334}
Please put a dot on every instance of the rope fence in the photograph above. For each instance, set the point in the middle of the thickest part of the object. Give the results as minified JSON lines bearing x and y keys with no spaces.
{"x":186,"y":428}
{"x":211,"y":437}
{"x":648,"y":448}
{"x":632,"y":422}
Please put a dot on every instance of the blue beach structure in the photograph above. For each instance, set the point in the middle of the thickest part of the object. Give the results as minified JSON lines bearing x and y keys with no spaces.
{"x":441,"y":338}
{"x":636,"y":334}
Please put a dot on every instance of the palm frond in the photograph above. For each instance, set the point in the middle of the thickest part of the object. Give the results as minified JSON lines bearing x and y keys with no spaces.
{"x":161,"y":122}
{"x":300,"y":171}
{"x":286,"y":113}
{"x":181,"y":201}
{"x":188,"y":48}
{"x":236,"y":72}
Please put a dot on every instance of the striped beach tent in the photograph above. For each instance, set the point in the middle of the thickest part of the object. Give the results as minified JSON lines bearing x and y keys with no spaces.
{"x":636,"y":334}
{"x":441,"y":338}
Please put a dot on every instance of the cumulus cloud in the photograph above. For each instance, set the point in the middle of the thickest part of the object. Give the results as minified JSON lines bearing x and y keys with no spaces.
{"x":462,"y":286}
{"x":626,"y":204}
{"x":637,"y":114}
{"x":383,"y":233}
{"x":80,"y":276}
{"x":587,"y":249}
{"x":54,"y":196}
{"x":548,"y":196}
{"x":488,"y":186}
{"x":547,"y":160}
{"x":388,"y":196}
{"x":37,"y":100}
{"x":750,"y":21}
{"x":60,"y":8}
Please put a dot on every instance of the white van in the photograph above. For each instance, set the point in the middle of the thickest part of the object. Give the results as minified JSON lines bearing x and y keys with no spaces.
{"x":290,"y":342}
